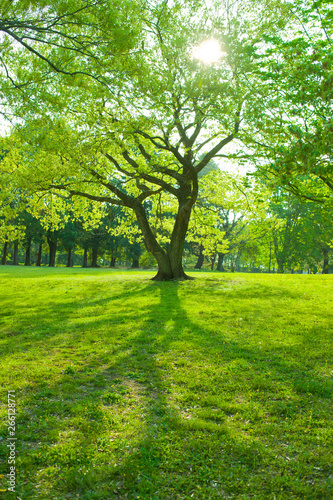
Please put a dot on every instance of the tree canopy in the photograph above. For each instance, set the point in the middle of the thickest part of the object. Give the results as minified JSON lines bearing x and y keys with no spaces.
{"x":117,"y":108}
{"x":293,"y":145}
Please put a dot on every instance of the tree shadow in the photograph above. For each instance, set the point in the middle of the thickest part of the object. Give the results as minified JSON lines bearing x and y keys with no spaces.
{"x":188,"y":437}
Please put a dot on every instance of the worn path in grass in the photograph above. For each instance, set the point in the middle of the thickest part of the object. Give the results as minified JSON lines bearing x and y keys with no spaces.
{"x":127,"y":388}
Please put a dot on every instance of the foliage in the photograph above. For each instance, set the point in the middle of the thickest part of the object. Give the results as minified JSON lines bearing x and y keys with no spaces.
{"x":293,"y":145}
{"x":166,"y":116}
{"x":74,"y":39}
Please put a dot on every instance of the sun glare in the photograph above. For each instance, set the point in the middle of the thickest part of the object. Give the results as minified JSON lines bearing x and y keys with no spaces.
{"x":208,"y":51}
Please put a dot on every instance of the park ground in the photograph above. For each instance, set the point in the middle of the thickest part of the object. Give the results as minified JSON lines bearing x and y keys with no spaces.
{"x":125,"y":388}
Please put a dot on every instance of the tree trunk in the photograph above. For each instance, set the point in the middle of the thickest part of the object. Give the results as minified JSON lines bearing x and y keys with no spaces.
{"x":279,"y":257}
{"x":113,"y":262}
{"x":212,"y":262}
{"x":39,"y":256}
{"x":85,"y":258}
{"x":135,"y":263}
{"x":237,"y":261}
{"x":69,"y":258}
{"x":201,"y":258}
{"x":16,"y":254}
{"x":94,"y":257}
{"x":170,"y":266}
{"x":326,"y":261}
{"x":220,"y":259}
{"x":53,"y":252}
{"x":280,"y":267}
{"x":4,"y":255}
{"x":28,"y":255}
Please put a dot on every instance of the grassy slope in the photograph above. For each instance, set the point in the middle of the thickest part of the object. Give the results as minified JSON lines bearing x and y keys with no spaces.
{"x":126,"y":388}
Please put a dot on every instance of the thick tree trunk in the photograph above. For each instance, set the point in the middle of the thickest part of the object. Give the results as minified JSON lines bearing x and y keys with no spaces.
{"x":69,"y":258}
{"x":53,"y":252}
{"x":170,"y":266}
{"x":113,"y":262}
{"x":16,"y":254}
{"x":4,"y":255}
{"x":280,"y":267}
{"x":326,"y":261}
{"x":212,"y":262}
{"x":85,"y":258}
{"x":94,"y":257}
{"x":135,"y":263}
{"x":39,"y":256}
{"x":28,"y":255}
{"x":201,"y":258}
{"x":220,"y":259}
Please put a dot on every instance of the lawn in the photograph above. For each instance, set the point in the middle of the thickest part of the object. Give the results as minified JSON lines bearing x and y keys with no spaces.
{"x":217,"y":388}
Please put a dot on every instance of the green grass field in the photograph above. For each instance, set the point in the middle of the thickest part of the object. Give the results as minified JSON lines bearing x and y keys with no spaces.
{"x":217,"y":388}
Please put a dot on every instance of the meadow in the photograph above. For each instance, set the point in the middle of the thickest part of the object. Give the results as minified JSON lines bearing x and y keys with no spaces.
{"x":217,"y":388}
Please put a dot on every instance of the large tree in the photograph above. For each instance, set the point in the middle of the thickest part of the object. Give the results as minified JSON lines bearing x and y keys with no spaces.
{"x":167,"y":115}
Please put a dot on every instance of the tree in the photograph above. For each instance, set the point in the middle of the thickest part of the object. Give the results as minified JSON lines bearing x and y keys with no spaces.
{"x":68,"y":237}
{"x":227,"y":204}
{"x":145,"y":139}
{"x":293,"y":146}
{"x":71,"y":38}
{"x":33,"y":231}
{"x":299,"y":233}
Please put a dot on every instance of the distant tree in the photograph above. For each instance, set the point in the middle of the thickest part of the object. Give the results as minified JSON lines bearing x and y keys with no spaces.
{"x":68,"y":239}
{"x":33,"y":231}
{"x":52,"y":241}
{"x":227,"y":203}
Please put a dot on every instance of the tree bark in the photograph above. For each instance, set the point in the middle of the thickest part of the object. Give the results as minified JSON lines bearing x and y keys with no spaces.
{"x":280,"y":267}
{"x":135,"y":263}
{"x":220,"y":259}
{"x":16,"y":254}
{"x":85,"y":258}
{"x":94,"y":257}
{"x":201,"y":258}
{"x":212,"y":262}
{"x":170,"y":266}
{"x":69,"y":258}
{"x":279,"y":258}
{"x":39,"y":256}
{"x":4,"y":255}
{"x":28,"y":255}
{"x":113,"y":262}
{"x":326,"y":261}
{"x":53,"y":252}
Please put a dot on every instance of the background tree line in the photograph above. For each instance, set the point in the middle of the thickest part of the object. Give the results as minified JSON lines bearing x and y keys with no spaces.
{"x":238,"y":225}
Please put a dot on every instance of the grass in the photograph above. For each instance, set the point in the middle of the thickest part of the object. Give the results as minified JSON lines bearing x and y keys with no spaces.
{"x":217,"y":388}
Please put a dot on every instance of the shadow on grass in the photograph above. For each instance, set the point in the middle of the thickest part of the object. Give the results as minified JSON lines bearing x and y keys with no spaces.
{"x":179,"y":435}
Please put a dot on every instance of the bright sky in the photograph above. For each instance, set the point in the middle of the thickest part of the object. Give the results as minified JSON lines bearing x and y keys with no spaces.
{"x":209,"y":51}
